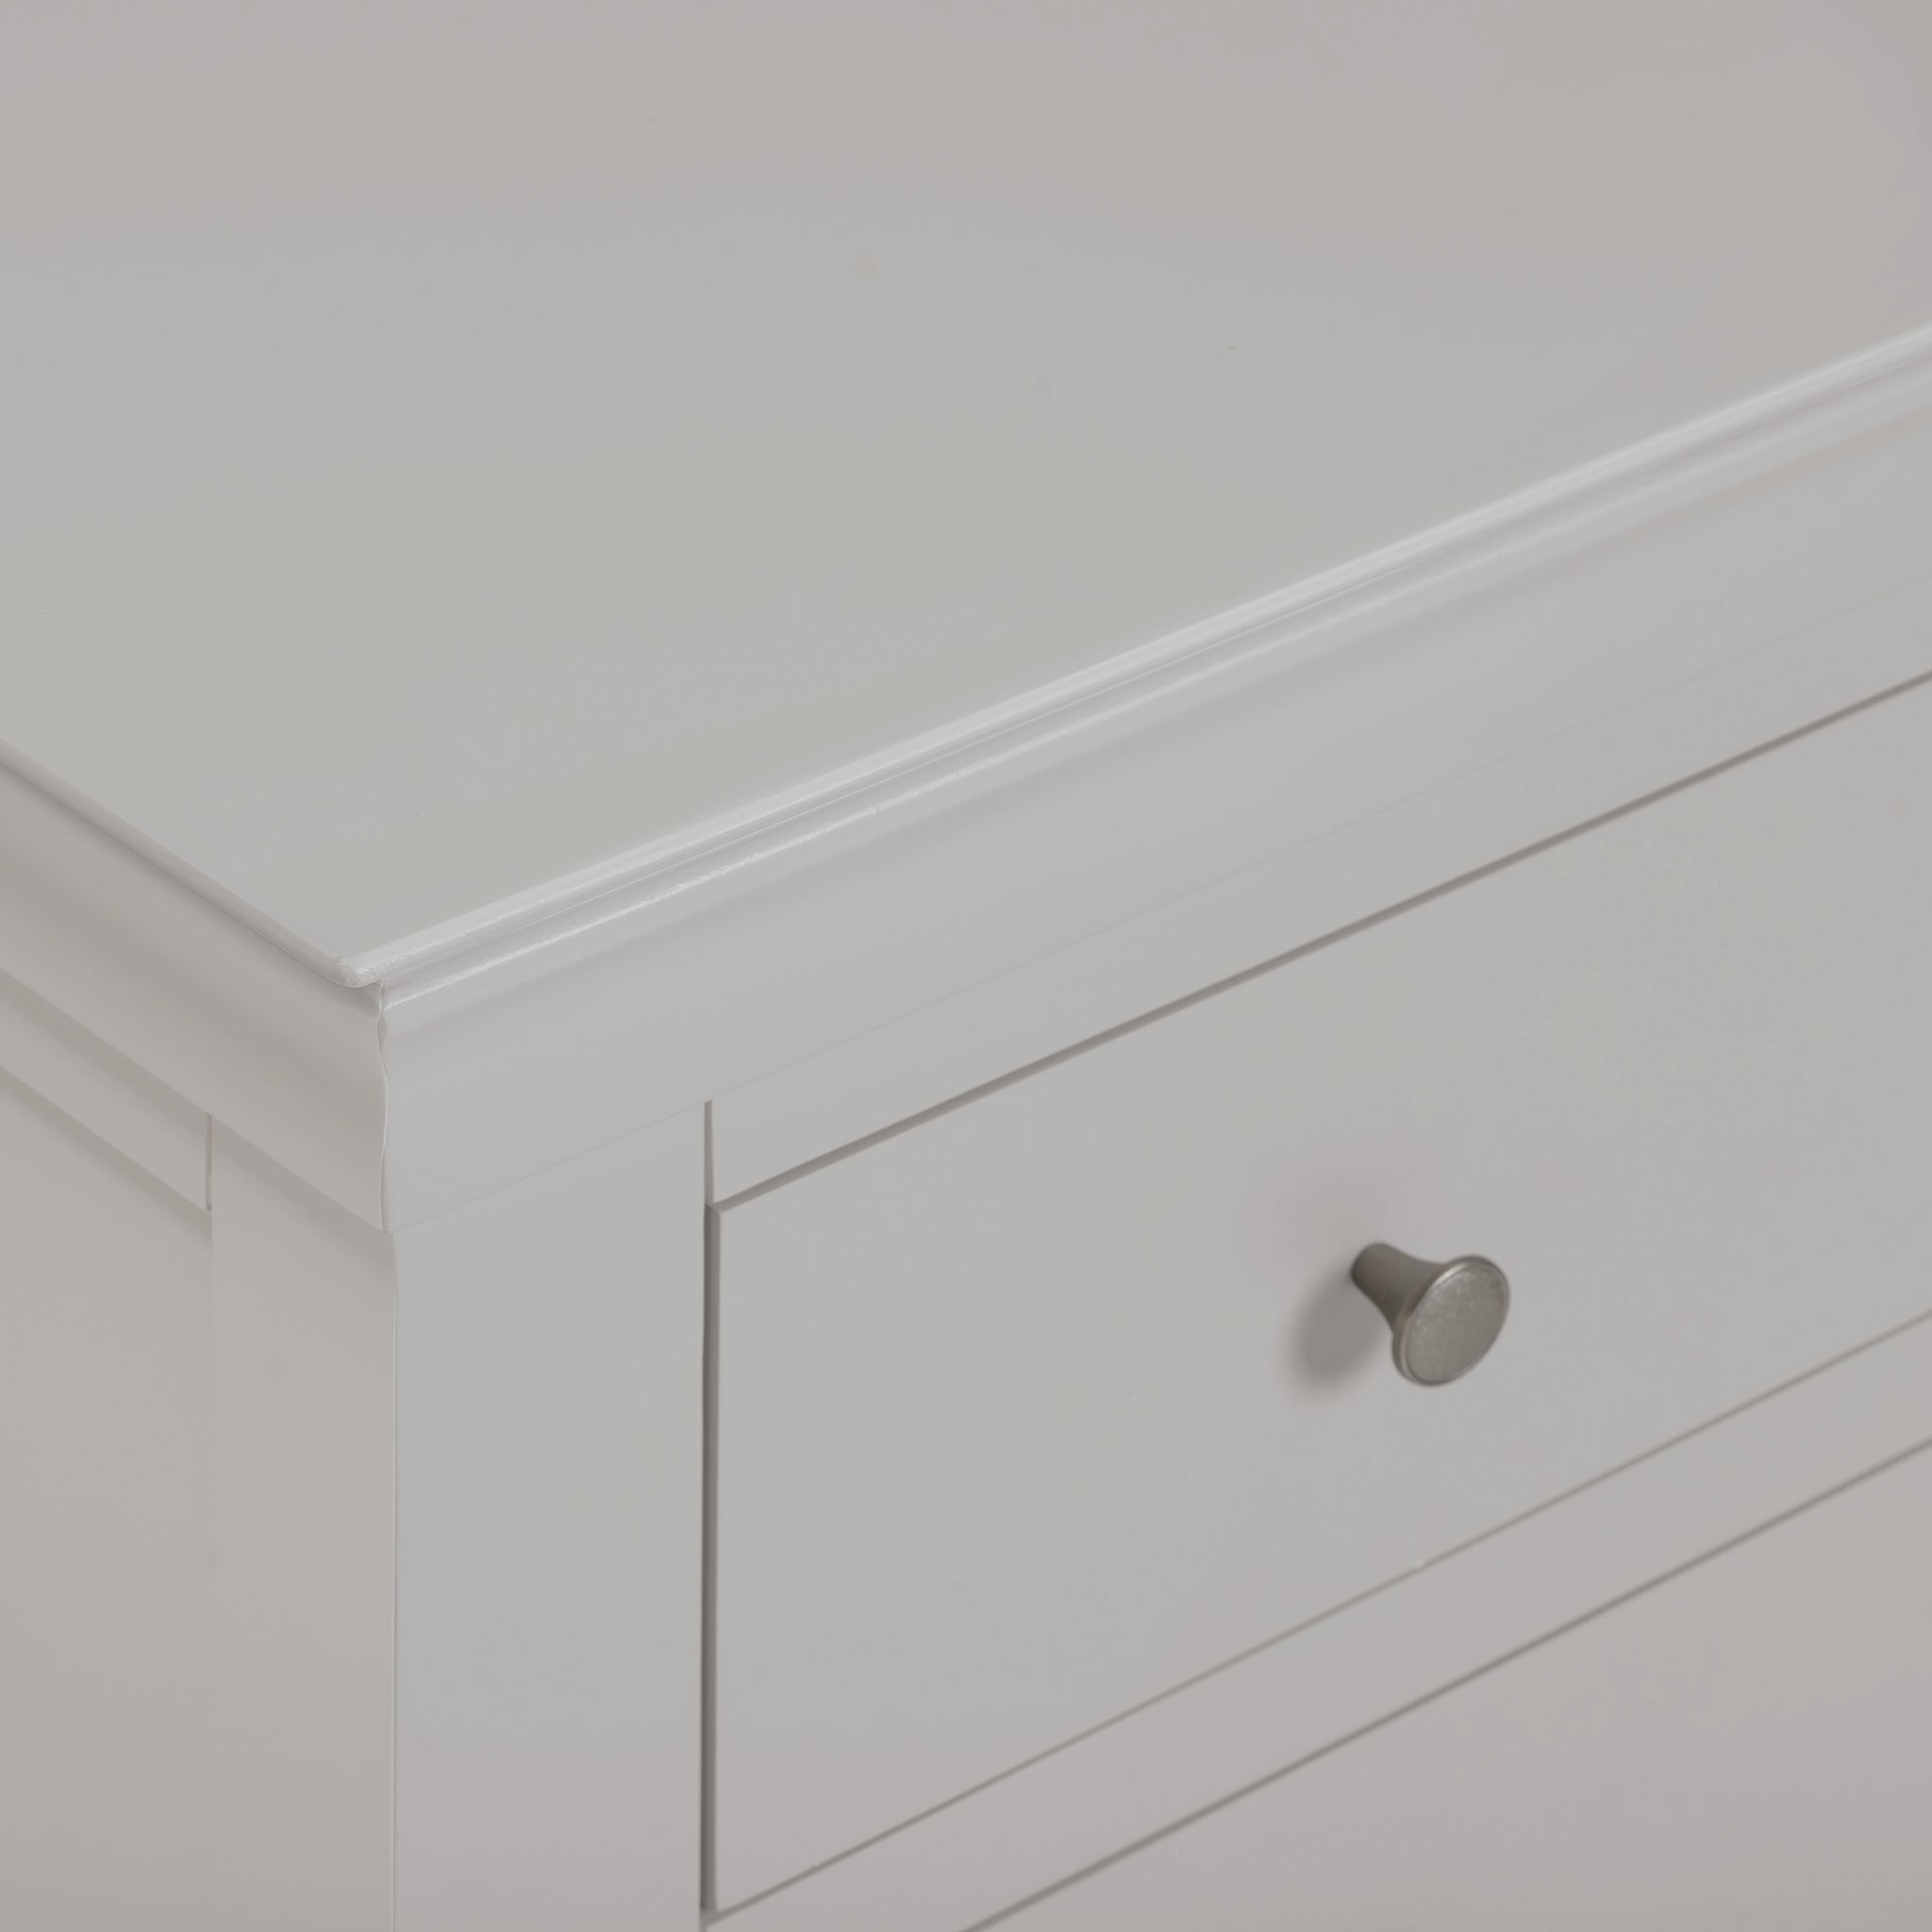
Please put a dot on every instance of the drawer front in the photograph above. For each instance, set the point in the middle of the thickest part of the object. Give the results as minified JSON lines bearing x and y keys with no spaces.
{"x":1041,"y":1407}
{"x":1746,"y":1745}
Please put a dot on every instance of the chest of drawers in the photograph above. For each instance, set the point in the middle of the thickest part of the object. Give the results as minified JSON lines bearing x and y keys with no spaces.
{"x":781,"y":791}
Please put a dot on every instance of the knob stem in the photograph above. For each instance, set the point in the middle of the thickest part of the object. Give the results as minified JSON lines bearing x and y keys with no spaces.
{"x":1392,"y":1279}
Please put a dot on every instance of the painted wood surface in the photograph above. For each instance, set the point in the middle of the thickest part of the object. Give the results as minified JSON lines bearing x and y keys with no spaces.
{"x":464,"y":450}
{"x":1178,"y":1758}
{"x":457,"y":1492}
{"x":1746,"y":1745}
{"x":301,"y":1434}
{"x":549,"y":1480}
{"x":1686,"y":616}
{"x":105,"y":1090}
{"x":939,"y":1050}
{"x":105,"y":1659}
{"x":215,"y":1013}
{"x":1053,"y":1400}
{"x":1739,"y":577}
{"x":350,"y":1582}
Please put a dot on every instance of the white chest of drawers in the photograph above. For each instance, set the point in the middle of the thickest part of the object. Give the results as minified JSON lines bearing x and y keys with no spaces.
{"x":765,"y":775}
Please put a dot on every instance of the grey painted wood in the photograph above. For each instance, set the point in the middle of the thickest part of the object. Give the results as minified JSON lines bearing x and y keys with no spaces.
{"x":215,"y":1013}
{"x":906,"y":1061}
{"x":565,"y":561}
{"x":104,"y":1659}
{"x":1182,"y":1756}
{"x":1045,"y":1405}
{"x":455,"y":1485}
{"x":1749,"y":1745}
{"x":457,"y":450}
{"x":301,"y":1507}
{"x":106,"y":1091}
{"x":1724,"y":618}
{"x":550,"y":1427}
{"x":349,"y":1583}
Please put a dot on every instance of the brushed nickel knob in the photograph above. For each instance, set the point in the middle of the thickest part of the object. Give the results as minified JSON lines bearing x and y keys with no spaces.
{"x":1445,"y":1315}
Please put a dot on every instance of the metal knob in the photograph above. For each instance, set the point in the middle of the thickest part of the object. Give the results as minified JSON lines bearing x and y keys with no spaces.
{"x":1445,"y":1315}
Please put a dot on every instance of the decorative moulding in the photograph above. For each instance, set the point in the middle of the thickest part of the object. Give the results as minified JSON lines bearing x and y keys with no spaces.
{"x":405,"y":1080}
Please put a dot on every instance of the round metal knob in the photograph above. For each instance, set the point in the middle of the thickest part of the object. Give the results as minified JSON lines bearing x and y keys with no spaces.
{"x":1445,"y":1315}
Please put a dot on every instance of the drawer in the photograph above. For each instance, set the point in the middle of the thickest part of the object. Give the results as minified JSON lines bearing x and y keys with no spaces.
{"x":1047,"y":1403}
{"x":1635,"y":1771}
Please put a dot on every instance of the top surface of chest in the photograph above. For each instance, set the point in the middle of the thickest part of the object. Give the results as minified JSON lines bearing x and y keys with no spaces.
{"x":453,"y":452}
